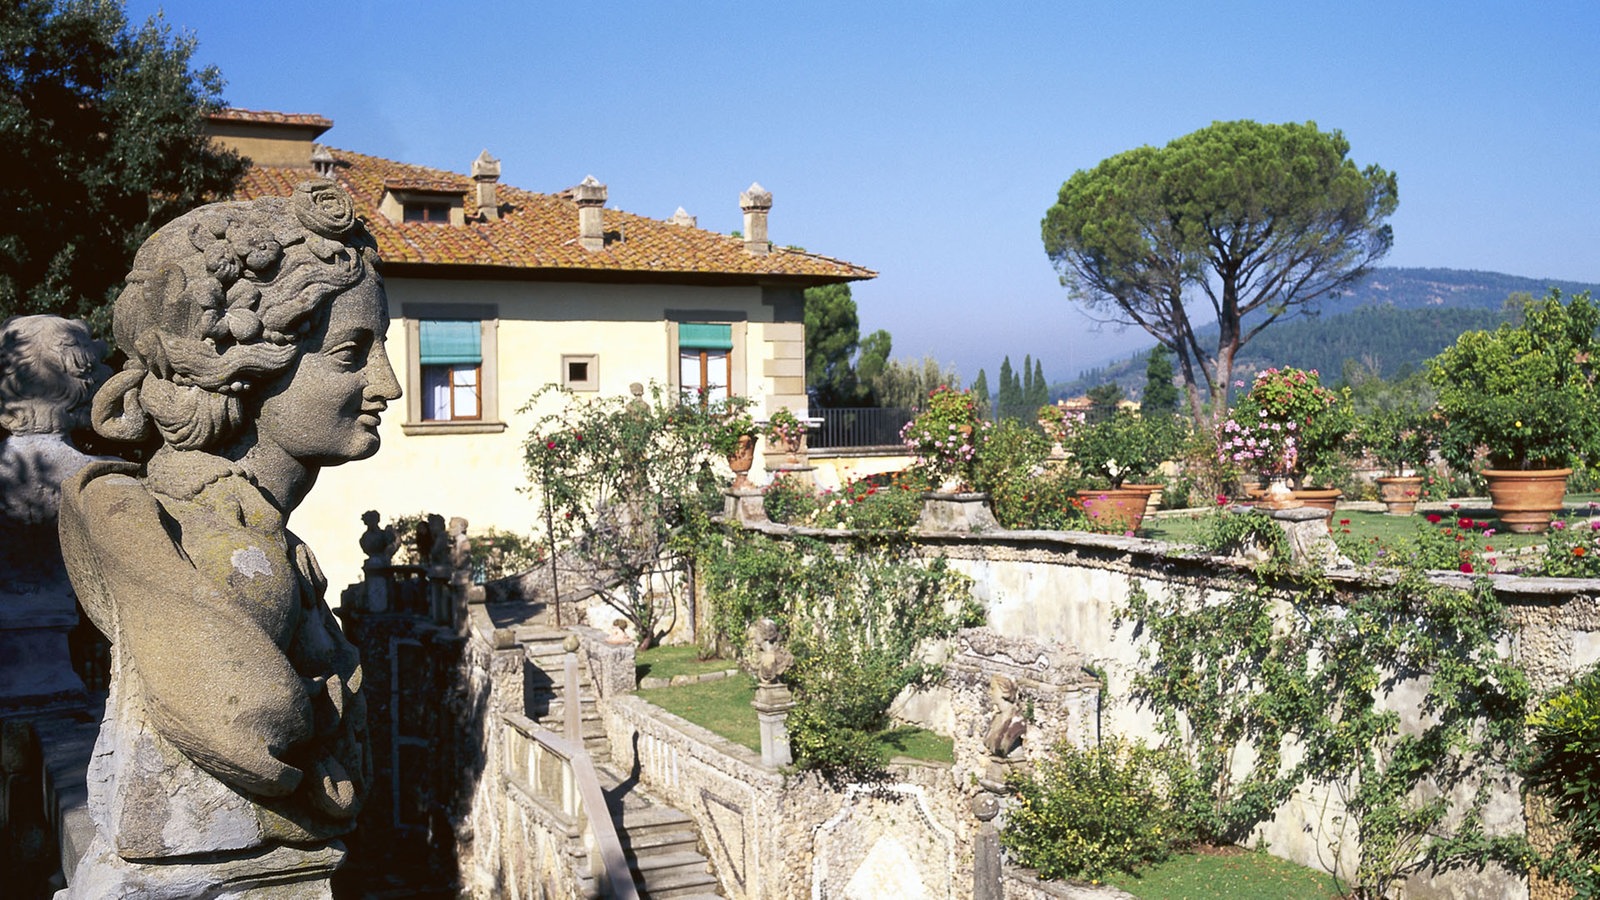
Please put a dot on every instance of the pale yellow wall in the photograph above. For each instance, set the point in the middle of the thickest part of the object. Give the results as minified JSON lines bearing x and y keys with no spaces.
{"x":479,"y":476}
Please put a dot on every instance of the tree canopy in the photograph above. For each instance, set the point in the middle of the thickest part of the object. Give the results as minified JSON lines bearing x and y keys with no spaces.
{"x":101,"y":130}
{"x":1259,"y":220}
{"x":840,"y":364}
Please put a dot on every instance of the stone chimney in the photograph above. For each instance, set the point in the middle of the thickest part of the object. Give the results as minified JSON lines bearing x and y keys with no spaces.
{"x":322,"y":161}
{"x":682,"y":217}
{"x":756,"y":203}
{"x":591,"y":198}
{"x":485,"y":175}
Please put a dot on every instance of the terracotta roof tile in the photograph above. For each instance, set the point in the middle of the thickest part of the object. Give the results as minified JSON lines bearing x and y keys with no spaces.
{"x":264,"y":116}
{"x":536,"y":234}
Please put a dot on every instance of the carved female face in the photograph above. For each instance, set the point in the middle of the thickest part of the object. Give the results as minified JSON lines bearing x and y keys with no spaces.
{"x":324,"y":411}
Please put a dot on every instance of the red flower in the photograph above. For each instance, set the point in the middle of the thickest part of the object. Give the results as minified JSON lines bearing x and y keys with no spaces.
{"x":1222,"y":499}
{"x":1434,"y":518}
{"x":1578,"y":551}
{"x":549,"y":445}
{"x":1464,"y":523}
{"x":1344,"y":521}
{"x":1455,"y":506}
{"x":1466,"y":567}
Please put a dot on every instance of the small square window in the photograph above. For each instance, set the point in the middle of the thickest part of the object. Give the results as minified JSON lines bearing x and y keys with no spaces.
{"x":580,"y":371}
{"x":438,"y":213}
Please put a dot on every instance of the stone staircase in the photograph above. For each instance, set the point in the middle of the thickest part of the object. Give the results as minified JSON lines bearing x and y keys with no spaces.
{"x":662,"y":843}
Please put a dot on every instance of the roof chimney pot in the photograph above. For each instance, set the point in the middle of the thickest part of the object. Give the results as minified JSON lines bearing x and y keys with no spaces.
{"x":485,"y":175}
{"x":322,"y":161}
{"x":591,"y":199}
{"x":756,"y":203}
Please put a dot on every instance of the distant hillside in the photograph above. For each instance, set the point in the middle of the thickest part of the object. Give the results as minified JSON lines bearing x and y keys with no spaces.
{"x":1394,"y":319}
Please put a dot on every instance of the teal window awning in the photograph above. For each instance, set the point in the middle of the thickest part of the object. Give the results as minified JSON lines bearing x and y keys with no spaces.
{"x":450,"y":342}
{"x":702,"y":336}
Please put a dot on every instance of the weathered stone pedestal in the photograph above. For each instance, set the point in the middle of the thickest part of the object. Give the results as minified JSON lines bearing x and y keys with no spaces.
{"x":772,"y":703}
{"x":1306,"y":529}
{"x":744,"y":505}
{"x":275,"y":873}
{"x":957,"y":512}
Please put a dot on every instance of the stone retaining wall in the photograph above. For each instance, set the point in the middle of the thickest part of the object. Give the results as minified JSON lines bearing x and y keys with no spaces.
{"x":1066,"y":589}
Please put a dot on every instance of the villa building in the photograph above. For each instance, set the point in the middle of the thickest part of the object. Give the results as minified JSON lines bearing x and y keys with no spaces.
{"x":496,"y":291}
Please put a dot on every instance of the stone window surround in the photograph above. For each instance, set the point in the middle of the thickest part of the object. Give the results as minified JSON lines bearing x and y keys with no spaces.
{"x":488,"y":315}
{"x":740,"y":327}
{"x":589,"y":383}
{"x":395,"y":200}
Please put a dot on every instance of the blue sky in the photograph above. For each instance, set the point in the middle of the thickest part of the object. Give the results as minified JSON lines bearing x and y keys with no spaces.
{"x":925,"y":140}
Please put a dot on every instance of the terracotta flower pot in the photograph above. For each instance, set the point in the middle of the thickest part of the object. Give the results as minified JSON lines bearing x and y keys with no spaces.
{"x":743,"y":457}
{"x":1524,"y":499}
{"x":1400,"y":493}
{"x":1152,"y":493}
{"x":1319,"y":498}
{"x":1114,"y":510}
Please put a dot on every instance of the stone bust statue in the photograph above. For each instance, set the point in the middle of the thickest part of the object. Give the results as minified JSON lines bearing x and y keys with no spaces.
{"x":49,"y":369}
{"x":255,"y":340}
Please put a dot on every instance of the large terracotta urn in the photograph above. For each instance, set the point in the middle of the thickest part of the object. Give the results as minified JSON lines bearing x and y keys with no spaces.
{"x":1319,"y":498}
{"x":1114,"y":509}
{"x":1152,"y":493}
{"x":1400,"y":493}
{"x":1525,"y":499}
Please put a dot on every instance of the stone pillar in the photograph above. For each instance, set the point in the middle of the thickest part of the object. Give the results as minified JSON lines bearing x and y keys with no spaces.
{"x":986,"y":866}
{"x":572,"y":701}
{"x":756,"y":202}
{"x":772,"y":703}
{"x":1310,"y":542}
{"x":744,"y":505}
{"x":590,"y":196}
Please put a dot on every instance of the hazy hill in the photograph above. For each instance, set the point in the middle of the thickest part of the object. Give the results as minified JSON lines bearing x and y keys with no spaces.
{"x":1394,"y":319}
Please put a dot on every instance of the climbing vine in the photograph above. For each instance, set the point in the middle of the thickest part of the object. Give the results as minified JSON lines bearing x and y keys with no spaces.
{"x":1284,"y":679}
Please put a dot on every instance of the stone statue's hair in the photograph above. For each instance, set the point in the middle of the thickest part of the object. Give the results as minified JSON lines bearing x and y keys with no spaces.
{"x":47,"y":374}
{"x":218,"y":303}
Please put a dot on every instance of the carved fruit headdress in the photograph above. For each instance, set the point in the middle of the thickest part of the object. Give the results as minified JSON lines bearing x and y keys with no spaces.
{"x":217,"y":303}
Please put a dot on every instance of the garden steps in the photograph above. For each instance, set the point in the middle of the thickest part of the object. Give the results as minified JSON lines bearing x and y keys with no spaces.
{"x":662,"y":844}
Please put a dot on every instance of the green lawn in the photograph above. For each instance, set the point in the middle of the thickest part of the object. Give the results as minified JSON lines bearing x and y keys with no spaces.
{"x":1385,"y":530}
{"x":723,"y":707}
{"x":665,"y":662}
{"x":1228,"y":872}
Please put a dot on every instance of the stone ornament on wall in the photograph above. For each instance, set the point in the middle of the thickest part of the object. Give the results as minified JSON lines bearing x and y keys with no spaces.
{"x":235,"y":726}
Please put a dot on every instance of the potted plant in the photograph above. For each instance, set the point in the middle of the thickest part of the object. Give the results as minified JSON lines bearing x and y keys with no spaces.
{"x":731,"y":434}
{"x":947,"y":439}
{"x":1291,"y":428}
{"x":1400,"y":437}
{"x":1523,"y":397}
{"x":1120,"y":448}
{"x":784,"y":432}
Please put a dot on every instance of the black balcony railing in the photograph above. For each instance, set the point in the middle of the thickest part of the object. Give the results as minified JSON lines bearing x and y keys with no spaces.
{"x":858,"y":427}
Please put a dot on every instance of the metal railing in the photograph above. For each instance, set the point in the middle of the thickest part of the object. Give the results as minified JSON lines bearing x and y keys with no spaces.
{"x":560,"y":773}
{"x":858,"y":427}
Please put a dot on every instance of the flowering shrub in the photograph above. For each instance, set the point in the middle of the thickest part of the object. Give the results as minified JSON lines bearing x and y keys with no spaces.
{"x":727,"y":423}
{"x":1089,"y":813}
{"x":784,"y":428}
{"x":947,"y":439}
{"x":1123,"y":446}
{"x":1573,"y":548}
{"x":874,"y":503}
{"x":1288,"y":425}
{"x":789,"y":501}
{"x":1526,"y":394}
